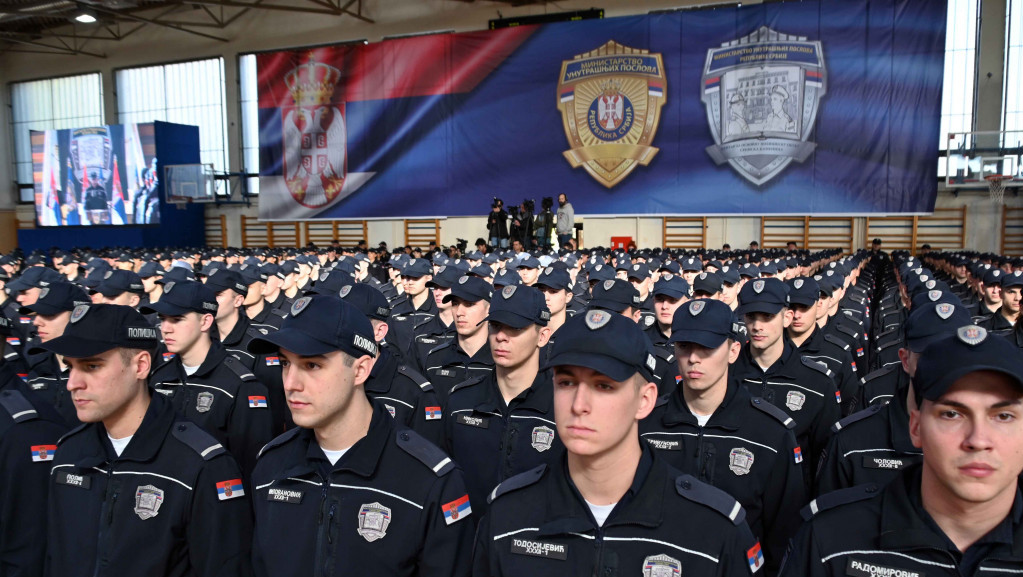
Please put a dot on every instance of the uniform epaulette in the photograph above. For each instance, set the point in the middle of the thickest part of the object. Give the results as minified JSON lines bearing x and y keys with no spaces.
{"x":857,"y":416}
{"x":416,"y":377}
{"x":837,"y":342}
{"x":198,"y":440}
{"x":239,"y":369}
{"x":774,"y":411}
{"x":665,"y":354}
{"x":709,"y":496}
{"x":889,"y":344}
{"x":18,"y":406}
{"x":663,"y":400}
{"x":257,"y":331}
{"x":880,"y":373}
{"x":425,"y":452}
{"x":72,"y":433}
{"x":847,"y":330}
{"x":517,"y":482}
{"x":817,"y":366}
{"x":419,"y":324}
{"x":437,"y":348}
{"x":838,"y":498}
{"x":279,"y":440}
{"x":466,"y":383}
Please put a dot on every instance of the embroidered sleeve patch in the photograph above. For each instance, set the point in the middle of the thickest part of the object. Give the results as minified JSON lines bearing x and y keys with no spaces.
{"x":755,"y":557}
{"x":798,"y":453}
{"x":257,"y":402}
{"x":457,"y":509}
{"x":230,"y":489}
{"x":432,"y":413}
{"x":42,"y":453}
{"x":273,"y":361}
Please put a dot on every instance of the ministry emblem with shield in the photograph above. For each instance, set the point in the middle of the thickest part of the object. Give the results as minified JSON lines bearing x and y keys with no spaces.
{"x":762,"y":93}
{"x":148,"y":499}
{"x":542,"y":438}
{"x":661,"y":566}
{"x":373,"y":521}
{"x":610,"y":101}
{"x":740,"y":460}
{"x":315,"y":137}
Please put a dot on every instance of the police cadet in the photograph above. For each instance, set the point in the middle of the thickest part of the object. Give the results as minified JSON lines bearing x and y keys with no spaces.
{"x":873,"y":445}
{"x":137,"y":490}
{"x":119,"y":287}
{"x":610,"y":506}
{"x":960,"y":512}
{"x":468,"y":355}
{"x":258,"y":311}
{"x":203,"y":382}
{"x":430,"y":332}
{"x":350,"y":491}
{"x":26,"y":290}
{"x":670,"y":292}
{"x":710,"y":427}
{"x":29,"y":430}
{"x":555,"y":283}
{"x":812,"y":343}
{"x":47,"y":375}
{"x":639,"y":275}
{"x":406,"y":394}
{"x":501,"y":423}
{"x":1003,"y":321}
{"x":771,"y":368}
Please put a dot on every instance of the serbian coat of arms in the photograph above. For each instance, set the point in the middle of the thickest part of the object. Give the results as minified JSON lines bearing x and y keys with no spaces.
{"x":315,"y":138}
{"x":610,"y":101}
{"x":762,"y":93}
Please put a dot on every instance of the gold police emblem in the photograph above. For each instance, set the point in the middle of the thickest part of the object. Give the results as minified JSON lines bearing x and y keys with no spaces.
{"x":610,"y":101}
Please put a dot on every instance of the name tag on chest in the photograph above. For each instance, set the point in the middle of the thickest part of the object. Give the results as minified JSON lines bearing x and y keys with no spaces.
{"x":446,"y":372}
{"x":890,"y":463}
{"x":665,"y":444}
{"x":70,"y":479}
{"x":863,"y":568}
{"x":539,"y":549}
{"x":481,"y":422}
{"x":284,"y":496}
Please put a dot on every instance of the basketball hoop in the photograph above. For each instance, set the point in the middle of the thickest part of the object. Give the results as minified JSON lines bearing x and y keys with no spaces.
{"x":996,"y":186}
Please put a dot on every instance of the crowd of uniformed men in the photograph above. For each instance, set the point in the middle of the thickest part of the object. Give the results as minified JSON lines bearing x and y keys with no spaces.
{"x":330,"y":411}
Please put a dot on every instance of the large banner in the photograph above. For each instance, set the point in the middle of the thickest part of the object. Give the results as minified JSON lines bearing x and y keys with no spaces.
{"x":812,"y":107}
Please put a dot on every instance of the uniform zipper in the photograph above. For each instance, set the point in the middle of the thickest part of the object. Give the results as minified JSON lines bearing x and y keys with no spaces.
{"x":106,"y":520}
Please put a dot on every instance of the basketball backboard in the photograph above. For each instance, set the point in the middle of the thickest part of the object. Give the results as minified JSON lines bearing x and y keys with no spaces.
{"x":974,"y":156}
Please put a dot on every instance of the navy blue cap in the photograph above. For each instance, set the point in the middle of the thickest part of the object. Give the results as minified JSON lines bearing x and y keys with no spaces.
{"x":346,"y":265}
{"x":707,"y":283}
{"x":57,"y":298}
{"x":210,"y":267}
{"x":554,"y":277}
{"x":117,"y":282}
{"x":749,"y":270}
{"x":320,"y":324}
{"x":176,"y":274}
{"x":150,"y":269}
{"x":827,"y":284}
{"x":671,"y":285}
{"x":671,"y":266}
{"x":481,"y":270}
{"x":993,"y":277}
{"x":269,"y":269}
{"x":768,"y":268}
{"x":445,"y":277}
{"x":691,"y":265}
{"x":223,"y":279}
{"x":96,"y":329}
{"x":639,"y":271}
{"x":614,"y":295}
{"x":92,"y":279}
{"x":763,"y":295}
{"x":417,"y":268}
{"x":506,"y":277}
{"x":251,"y":274}
{"x":601,"y":272}
{"x":288,"y":267}
{"x":603,"y":341}
{"x":490,"y":258}
{"x":34,"y":277}
{"x":706,"y":322}
{"x":519,"y":307}
{"x":1012,"y":279}
{"x":470,"y":289}
{"x":935,"y":296}
{"x":184,"y":297}
{"x":803,"y":291}
{"x":933,"y":321}
{"x":331,"y":282}
{"x":729,"y":275}
{"x":370,"y":301}
{"x":969,"y":350}
{"x":528,"y":262}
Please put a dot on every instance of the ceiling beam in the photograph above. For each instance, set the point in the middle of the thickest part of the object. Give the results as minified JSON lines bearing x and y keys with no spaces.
{"x":160,"y":23}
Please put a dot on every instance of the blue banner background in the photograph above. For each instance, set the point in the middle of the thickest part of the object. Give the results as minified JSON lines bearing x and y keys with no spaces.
{"x":876,"y":130}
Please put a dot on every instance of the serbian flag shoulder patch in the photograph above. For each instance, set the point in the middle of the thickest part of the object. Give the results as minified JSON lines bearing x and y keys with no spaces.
{"x":168,"y":356}
{"x":432,"y":413}
{"x":798,"y":453}
{"x":14,"y":341}
{"x":755,"y":557}
{"x":230,"y":489}
{"x":273,"y":361}
{"x":42,"y":453}
{"x":457,"y":509}
{"x":838,"y":397}
{"x":257,"y":402}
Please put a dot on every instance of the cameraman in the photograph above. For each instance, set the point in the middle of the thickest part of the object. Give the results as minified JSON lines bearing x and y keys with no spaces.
{"x":522,"y":224}
{"x":497,"y":224}
{"x":566,"y":220}
{"x":545,"y":224}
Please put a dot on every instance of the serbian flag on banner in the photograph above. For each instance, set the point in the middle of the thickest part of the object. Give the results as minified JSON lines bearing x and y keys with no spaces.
{"x":333,"y":118}
{"x":119,"y":215}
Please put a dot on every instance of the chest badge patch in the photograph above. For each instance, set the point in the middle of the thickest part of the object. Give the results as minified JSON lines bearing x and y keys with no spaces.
{"x":204,"y":402}
{"x":543,"y":436}
{"x":373,"y":521}
{"x":147,"y":501}
{"x":794,"y":400}
{"x":740,"y":461}
{"x":661,"y":566}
